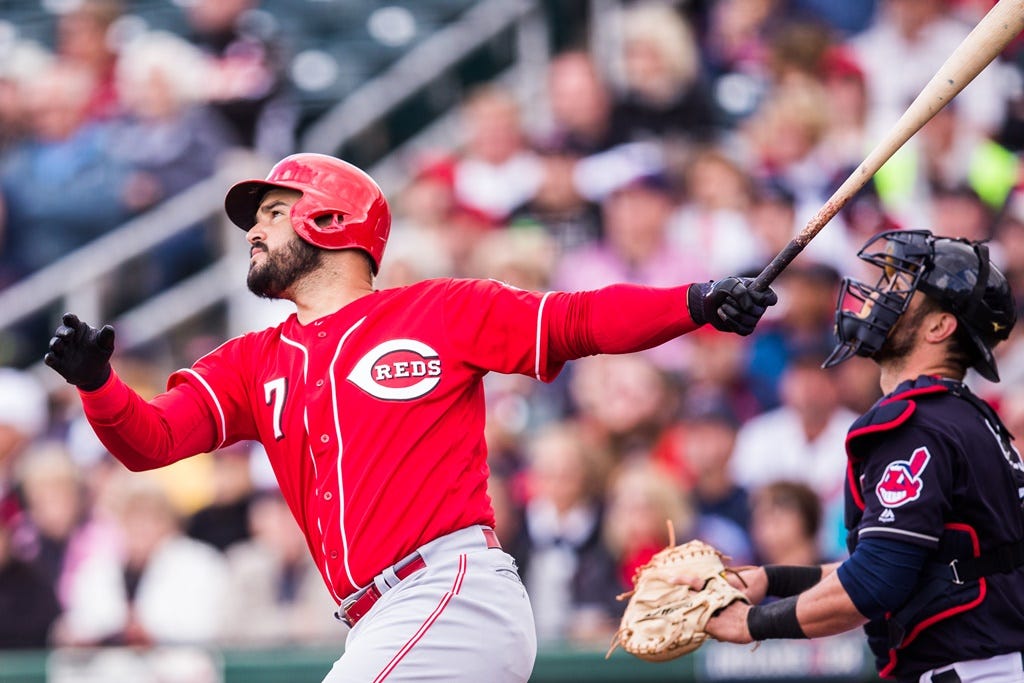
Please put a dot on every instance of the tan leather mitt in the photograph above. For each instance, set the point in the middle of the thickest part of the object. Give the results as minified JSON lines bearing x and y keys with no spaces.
{"x":664,"y":620}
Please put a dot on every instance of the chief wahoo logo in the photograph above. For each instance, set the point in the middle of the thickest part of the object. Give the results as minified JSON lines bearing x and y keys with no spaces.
{"x":901,"y":482}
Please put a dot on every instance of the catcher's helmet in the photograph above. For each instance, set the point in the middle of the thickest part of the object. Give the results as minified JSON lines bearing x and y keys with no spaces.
{"x":358,"y":212}
{"x":956,"y":273}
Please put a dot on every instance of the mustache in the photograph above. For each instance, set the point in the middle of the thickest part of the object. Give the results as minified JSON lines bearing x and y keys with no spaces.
{"x":258,"y":246}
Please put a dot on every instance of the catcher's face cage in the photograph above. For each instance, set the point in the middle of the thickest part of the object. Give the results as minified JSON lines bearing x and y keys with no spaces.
{"x":955,"y":272}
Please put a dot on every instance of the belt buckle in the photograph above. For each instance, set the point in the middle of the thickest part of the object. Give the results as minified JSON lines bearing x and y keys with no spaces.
{"x":347,"y":604}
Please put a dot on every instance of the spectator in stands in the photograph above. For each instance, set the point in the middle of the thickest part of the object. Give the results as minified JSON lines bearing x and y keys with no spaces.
{"x":662,"y":95}
{"x":735,"y":51}
{"x":274,"y":580}
{"x":847,"y":18}
{"x":169,"y":139}
{"x":558,"y":204}
{"x":783,"y":138}
{"x":858,"y":384}
{"x":775,"y":218}
{"x":85,"y":39}
{"x":627,"y":399}
{"x":919,"y":35}
{"x":162,"y":588}
{"x":28,"y":605}
{"x":641,"y":499}
{"x":846,"y":136}
{"x":698,"y":449}
{"x":249,"y":84}
{"x":562,"y":558}
{"x":1008,"y":236}
{"x":427,"y":211}
{"x":960,"y":212}
{"x":803,"y":324}
{"x":167,"y":134}
{"x":801,"y":440}
{"x":580,"y":104}
{"x":785,"y":520}
{"x":58,"y":530}
{"x":225,"y":520}
{"x":712,"y":218}
{"x":948,"y":157}
{"x":61,"y":186}
{"x":20,"y":61}
{"x":719,"y":374}
{"x":496,"y":172}
{"x":24,"y":416}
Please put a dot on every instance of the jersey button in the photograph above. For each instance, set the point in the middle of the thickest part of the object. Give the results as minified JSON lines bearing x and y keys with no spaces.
{"x":321,"y":334}
{"x":334,"y":554}
{"x":324,"y":438}
{"x":328,"y":496}
{"x":319,"y":382}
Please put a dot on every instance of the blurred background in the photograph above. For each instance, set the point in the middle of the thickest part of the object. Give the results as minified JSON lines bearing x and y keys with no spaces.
{"x":551,"y":144}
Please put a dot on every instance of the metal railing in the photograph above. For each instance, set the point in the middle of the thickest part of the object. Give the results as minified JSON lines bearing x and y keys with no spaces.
{"x":81,"y":280}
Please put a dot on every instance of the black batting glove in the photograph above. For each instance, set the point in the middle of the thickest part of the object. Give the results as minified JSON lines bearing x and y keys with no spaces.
{"x":80,"y":353}
{"x":729,"y":305}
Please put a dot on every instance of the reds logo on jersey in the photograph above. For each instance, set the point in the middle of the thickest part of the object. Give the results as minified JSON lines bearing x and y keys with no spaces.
{"x":901,"y":482}
{"x":398,"y":370}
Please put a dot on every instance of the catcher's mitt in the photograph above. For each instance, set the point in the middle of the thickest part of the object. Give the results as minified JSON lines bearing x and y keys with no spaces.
{"x":664,"y":620}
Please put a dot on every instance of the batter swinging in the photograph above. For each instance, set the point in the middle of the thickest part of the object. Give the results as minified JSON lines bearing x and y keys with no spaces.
{"x":370,"y":406}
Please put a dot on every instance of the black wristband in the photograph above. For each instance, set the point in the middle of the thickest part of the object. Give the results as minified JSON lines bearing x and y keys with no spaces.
{"x":785,"y":580}
{"x":775,"y":620}
{"x":695,"y":301}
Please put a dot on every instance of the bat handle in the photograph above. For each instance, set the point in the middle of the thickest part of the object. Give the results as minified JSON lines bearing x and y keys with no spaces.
{"x":776,"y":266}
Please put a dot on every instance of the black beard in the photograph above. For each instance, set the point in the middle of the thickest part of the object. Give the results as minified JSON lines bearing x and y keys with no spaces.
{"x":902,"y":337}
{"x":282,"y":269}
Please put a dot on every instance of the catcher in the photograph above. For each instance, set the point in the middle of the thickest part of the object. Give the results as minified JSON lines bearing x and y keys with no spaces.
{"x":935,"y":486}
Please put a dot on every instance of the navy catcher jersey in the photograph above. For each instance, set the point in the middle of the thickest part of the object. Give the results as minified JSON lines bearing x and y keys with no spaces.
{"x":928,"y":466}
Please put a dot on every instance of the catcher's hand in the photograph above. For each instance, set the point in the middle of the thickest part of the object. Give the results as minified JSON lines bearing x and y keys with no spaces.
{"x":664,"y":618}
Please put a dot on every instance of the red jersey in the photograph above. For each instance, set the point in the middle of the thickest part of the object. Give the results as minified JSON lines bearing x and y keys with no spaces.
{"x":373,"y":417}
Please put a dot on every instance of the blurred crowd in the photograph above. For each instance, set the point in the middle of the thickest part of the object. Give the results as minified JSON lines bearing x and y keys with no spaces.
{"x":694,"y":146}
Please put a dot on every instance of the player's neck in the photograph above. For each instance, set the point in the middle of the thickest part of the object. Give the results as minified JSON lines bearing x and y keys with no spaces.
{"x":330,"y":288}
{"x":914,"y":365}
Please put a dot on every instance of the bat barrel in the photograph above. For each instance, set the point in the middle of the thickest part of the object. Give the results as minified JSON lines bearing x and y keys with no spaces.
{"x":984,"y":43}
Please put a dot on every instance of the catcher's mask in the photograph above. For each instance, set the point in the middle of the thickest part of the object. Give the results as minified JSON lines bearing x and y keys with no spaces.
{"x":341,"y":206}
{"x":956,"y":273}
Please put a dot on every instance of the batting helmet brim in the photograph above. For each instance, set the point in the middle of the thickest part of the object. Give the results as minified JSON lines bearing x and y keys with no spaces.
{"x":243,"y":199}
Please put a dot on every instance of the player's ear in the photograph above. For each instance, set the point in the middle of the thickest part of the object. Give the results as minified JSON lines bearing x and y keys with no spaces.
{"x":939,"y":326}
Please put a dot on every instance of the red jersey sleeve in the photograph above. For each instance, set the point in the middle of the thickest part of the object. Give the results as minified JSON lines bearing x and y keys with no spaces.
{"x":496,"y":327}
{"x":219,"y":380}
{"x":505,"y":329}
{"x":146,"y":435}
{"x":621,"y":318}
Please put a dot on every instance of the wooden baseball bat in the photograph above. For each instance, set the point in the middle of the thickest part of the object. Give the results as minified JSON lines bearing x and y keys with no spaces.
{"x":995,"y":30}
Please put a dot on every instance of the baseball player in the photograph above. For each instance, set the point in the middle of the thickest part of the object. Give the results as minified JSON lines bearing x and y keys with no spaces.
{"x":370,"y":406}
{"x":934,"y":484}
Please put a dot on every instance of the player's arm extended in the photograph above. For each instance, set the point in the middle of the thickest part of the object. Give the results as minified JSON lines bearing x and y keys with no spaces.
{"x":876,"y":579}
{"x":625,"y":318}
{"x":620,"y":318}
{"x":146,"y":435}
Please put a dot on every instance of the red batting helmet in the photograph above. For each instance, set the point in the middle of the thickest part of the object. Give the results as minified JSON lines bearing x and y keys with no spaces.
{"x":360,"y":217}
